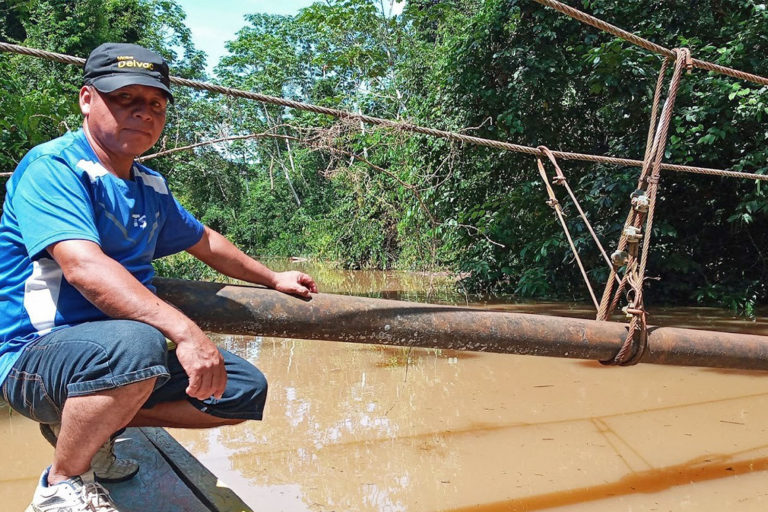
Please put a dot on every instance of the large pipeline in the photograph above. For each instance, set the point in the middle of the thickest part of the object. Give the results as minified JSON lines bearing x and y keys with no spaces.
{"x":262,"y":312}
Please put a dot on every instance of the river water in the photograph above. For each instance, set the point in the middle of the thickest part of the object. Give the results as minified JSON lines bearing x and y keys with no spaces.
{"x":351,"y":427}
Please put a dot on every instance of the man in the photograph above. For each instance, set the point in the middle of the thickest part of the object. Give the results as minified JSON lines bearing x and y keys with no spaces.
{"x":83,"y":339}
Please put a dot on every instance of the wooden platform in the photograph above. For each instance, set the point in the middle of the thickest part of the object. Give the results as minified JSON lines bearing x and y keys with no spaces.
{"x":170,"y":478}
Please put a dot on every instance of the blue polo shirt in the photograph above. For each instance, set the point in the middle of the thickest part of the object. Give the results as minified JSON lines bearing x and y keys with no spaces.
{"x":58,"y":192}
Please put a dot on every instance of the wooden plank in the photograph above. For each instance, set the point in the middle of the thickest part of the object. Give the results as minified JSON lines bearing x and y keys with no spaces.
{"x":170,"y":478}
{"x":209,"y":489}
{"x":156,"y":486}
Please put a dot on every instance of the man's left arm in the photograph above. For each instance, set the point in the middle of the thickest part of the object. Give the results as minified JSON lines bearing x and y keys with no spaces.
{"x":217,"y":252}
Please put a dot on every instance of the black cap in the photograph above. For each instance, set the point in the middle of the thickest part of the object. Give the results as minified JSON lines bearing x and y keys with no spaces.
{"x":111,"y":66}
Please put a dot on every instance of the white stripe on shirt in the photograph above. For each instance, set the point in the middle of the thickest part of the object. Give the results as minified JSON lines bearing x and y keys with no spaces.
{"x":41,"y":294}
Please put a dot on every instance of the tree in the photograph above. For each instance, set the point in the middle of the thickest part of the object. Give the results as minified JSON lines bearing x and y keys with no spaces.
{"x":39,"y":98}
{"x":544,"y":78}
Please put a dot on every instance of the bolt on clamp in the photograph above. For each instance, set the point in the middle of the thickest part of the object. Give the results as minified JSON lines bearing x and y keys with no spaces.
{"x":640,"y":201}
{"x":633,"y":234}
{"x":619,"y":258}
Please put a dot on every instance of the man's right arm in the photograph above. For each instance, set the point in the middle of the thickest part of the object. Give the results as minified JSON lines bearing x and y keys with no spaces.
{"x":117,"y":293}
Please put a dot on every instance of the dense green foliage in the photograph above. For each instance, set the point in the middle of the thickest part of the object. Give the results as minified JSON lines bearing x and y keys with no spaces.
{"x":510,"y":69}
{"x":545,"y":78}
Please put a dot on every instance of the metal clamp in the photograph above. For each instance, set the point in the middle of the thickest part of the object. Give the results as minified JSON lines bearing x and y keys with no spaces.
{"x":619,"y":258}
{"x":640,"y":201}
{"x":633,"y":234}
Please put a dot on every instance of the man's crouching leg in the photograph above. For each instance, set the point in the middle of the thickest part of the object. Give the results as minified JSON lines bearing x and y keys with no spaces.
{"x":88,"y":422}
{"x":169,"y":405}
{"x":91,"y":379}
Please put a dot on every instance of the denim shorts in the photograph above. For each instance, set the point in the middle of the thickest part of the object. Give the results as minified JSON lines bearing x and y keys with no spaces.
{"x":97,"y":356}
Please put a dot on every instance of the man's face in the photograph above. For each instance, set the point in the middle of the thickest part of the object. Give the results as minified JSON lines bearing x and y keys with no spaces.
{"x":125,"y":122}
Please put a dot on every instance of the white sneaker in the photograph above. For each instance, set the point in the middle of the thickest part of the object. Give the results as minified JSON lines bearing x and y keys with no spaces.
{"x":105,"y":464}
{"x":77,"y":494}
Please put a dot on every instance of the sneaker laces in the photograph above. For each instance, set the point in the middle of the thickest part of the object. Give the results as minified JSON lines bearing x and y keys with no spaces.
{"x":108,"y":450}
{"x":96,"y":498}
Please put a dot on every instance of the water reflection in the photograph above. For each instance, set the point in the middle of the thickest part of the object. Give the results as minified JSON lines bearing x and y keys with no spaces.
{"x":434,"y":287}
{"x":331,"y":426}
{"x":378,"y":428}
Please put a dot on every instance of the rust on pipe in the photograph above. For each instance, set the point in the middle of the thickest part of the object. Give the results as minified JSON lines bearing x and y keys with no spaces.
{"x":262,"y":312}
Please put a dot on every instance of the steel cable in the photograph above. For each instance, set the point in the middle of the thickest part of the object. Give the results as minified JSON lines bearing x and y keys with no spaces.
{"x":398,"y":125}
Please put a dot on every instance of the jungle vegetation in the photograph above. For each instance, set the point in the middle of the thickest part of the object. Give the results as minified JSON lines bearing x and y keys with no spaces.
{"x":509,"y":70}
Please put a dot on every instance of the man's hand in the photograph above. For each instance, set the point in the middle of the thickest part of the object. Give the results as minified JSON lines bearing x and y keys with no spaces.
{"x":295,"y":283}
{"x":217,"y":252}
{"x":204,"y":365}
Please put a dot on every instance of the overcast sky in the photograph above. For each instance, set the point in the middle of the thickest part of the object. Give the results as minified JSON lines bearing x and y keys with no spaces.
{"x":215,"y":22}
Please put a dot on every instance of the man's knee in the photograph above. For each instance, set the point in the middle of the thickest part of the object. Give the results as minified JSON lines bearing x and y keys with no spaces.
{"x":243,"y":399}
{"x":257,"y":394}
{"x":246,"y":392}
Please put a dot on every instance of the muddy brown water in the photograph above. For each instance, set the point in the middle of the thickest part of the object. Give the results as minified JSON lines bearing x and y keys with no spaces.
{"x":352,"y":427}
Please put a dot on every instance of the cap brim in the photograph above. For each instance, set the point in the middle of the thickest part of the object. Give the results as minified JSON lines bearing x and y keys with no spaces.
{"x":112,"y":83}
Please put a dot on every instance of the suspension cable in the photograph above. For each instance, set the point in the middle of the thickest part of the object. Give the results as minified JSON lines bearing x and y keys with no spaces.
{"x":648,"y":45}
{"x":408,"y":127}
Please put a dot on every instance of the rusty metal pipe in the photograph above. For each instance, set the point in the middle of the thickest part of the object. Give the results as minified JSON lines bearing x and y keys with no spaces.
{"x":262,"y":312}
